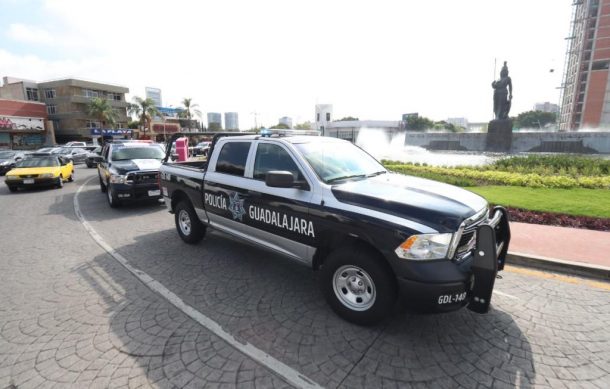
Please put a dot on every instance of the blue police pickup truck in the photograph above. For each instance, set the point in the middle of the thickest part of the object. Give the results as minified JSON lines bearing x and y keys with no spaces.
{"x":329,"y":205}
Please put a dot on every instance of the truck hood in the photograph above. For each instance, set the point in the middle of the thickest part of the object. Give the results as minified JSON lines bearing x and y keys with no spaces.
{"x":440,"y":206}
{"x":123,"y":167}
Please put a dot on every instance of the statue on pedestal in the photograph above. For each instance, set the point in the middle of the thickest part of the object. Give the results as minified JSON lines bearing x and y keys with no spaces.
{"x":503,"y":94}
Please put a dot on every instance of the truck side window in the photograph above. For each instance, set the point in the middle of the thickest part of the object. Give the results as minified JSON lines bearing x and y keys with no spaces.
{"x":272,"y":157}
{"x":232,"y":158}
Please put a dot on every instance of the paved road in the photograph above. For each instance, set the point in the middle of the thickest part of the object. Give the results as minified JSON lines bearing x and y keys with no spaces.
{"x":72,"y":316}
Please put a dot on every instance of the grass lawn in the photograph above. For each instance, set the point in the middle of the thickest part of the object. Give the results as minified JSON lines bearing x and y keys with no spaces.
{"x":580,"y":202}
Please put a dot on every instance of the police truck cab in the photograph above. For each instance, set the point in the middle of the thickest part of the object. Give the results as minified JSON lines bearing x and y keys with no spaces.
{"x":327,"y":204}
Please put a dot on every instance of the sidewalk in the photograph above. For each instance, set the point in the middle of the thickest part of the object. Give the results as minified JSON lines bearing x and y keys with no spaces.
{"x":566,"y":247}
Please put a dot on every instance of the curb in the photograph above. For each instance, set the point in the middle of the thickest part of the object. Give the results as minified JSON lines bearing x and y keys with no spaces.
{"x":559,"y":265}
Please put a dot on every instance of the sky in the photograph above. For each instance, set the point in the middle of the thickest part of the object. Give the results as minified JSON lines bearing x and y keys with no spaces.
{"x":265,"y":59}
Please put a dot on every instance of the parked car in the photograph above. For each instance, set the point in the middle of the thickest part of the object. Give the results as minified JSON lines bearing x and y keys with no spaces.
{"x":45,"y":149}
{"x":129,"y":171}
{"x":75,"y":144}
{"x":40,"y":170}
{"x":77,"y":155}
{"x":94,"y":157}
{"x":329,"y":205}
{"x":8,"y":159}
{"x":201,"y":148}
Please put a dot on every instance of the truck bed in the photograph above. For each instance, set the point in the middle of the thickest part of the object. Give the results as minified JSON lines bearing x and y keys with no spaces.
{"x":198,"y":165}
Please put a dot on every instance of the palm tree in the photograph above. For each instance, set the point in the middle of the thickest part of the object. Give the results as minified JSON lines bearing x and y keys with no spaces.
{"x":189,"y":109}
{"x":145,"y":110}
{"x":102,"y":110}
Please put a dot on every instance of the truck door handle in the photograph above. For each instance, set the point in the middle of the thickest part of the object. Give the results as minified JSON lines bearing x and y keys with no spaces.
{"x":253,"y":193}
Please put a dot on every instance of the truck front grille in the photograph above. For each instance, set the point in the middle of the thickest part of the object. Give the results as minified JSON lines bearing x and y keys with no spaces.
{"x":143,"y":177}
{"x":469,"y":238}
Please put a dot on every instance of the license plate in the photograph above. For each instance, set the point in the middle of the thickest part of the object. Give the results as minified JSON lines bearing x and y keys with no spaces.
{"x":28,"y":181}
{"x":451,"y":298}
{"x":154,"y":192}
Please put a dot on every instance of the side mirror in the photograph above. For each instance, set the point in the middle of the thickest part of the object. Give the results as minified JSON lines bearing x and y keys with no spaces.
{"x":279,"y":179}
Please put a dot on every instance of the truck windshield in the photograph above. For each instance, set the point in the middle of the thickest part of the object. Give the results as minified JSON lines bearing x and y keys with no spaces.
{"x":336,"y":161}
{"x":148,"y":152}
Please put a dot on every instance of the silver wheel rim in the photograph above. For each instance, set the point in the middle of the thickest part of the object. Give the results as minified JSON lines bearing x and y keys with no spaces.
{"x":184,"y":221}
{"x":354,"y":288}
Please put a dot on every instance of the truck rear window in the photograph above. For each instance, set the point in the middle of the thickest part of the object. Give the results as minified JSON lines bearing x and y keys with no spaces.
{"x":232,"y":158}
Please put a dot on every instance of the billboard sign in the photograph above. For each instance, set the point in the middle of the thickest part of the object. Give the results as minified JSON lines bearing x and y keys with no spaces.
{"x":111,"y":131}
{"x":15,"y":123}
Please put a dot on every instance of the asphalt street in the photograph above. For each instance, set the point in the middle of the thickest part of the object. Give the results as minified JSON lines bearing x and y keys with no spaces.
{"x":71,"y":315}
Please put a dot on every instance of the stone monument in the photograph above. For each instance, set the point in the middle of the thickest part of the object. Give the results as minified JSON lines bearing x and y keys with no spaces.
{"x":500,"y":130}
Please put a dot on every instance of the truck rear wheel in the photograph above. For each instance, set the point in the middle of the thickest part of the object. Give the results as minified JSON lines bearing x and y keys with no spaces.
{"x":189,"y":227}
{"x":358,"y":285}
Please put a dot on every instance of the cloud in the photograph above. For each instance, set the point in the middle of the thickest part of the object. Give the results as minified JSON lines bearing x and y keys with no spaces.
{"x":29,"y":34}
{"x":373,"y":60}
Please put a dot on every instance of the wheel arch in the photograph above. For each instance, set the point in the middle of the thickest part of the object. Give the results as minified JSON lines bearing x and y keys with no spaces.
{"x":178,"y":196}
{"x":332,"y":242}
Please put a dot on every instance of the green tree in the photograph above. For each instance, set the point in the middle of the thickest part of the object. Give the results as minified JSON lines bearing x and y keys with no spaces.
{"x":133,"y":124}
{"x":102,"y":110}
{"x":214,"y":127}
{"x":144,"y":110}
{"x":347,"y":119}
{"x":534,"y":119}
{"x":189,"y":108}
{"x":304,"y":126}
{"x":419,"y":123}
{"x":280,"y":126}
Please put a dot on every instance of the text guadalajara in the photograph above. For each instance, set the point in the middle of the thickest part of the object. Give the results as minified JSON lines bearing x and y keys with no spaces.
{"x":260,"y":214}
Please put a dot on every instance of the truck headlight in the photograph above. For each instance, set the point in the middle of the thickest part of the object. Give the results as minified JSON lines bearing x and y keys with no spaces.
{"x":117,"y":179}
{"x":8,"y":178}
{"x":425,"y":246}
{"x":47,"y":175}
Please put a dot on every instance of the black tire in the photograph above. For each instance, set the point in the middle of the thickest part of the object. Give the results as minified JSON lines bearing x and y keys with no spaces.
{"x":112,"y":198}
{"x":71,"y":178}
{"x":188,"y":225}
{"x":102,"y":186}
{"x":360,"y":267}
{"x":60,"y":182}
{"x":12,"y":189}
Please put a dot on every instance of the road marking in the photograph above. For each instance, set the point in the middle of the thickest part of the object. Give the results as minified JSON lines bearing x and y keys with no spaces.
{"x":289,"y":374}
{"x":505,"y":294}
{"x":558,"y":277}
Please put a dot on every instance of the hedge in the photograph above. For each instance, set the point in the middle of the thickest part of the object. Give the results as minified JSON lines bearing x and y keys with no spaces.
{"x":495,"y":177}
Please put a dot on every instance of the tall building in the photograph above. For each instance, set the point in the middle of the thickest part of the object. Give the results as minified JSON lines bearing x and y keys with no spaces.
{"x":286,"y":121}
{"x":155,"y":95}
{"x":546,"y":107}
{"x":324,"y":115}
{"x":585,"y":99}
{"x":67,"y":103}
{"x":231,"y":121}
{"x":214,"y":120}
{"x":19,"y":89}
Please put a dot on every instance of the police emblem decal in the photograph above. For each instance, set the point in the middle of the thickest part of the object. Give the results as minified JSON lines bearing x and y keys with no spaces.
{"x":236,"y":206}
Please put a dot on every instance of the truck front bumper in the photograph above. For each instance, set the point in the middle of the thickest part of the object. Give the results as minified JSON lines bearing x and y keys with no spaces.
{"x":443,"y":286}
{"x":126,"y":192}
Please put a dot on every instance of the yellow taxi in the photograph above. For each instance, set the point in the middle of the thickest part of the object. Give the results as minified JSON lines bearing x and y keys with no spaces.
{"x":40,"y":170}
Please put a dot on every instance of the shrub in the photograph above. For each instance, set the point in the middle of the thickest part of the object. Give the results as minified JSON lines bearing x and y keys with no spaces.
{"x":472,"y":176}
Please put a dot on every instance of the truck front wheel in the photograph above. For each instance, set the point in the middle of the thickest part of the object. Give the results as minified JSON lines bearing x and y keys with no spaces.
{"x":189,"y":227}
{"x":358,"y":285}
